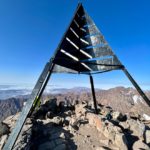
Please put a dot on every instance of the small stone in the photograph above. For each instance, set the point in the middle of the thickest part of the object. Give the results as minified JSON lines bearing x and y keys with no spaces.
{"x":66,"y":123}
{"x":119,"y":116}
{"x":147,"y":136}
{"x":62,"y":135}
{"x":49,"y":115}
{"x":139,"y":145}
{"x":68,"y":113}
{"x":105,"y":142}
{"x":84,"y":141}
{"x":57,"y":120}
{"x":124,"y":125}
{"x":87,"y":136}
{"x":28,"y":121}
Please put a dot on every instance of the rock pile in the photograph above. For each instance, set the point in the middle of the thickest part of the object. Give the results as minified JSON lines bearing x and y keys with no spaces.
{"x":63,"y":126}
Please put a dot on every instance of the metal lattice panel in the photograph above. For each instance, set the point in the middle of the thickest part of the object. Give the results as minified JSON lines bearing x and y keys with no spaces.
{"x":81,"y":44}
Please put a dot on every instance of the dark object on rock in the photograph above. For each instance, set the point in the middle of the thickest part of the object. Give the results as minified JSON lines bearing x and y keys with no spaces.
{"x":4,"y":129}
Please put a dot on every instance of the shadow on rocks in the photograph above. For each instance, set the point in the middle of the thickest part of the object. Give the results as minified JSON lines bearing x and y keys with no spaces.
{"x":50,"y":137}
{"x":131,"y":139}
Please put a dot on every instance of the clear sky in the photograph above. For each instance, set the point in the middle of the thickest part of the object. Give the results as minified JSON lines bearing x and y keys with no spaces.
{"x":30,"y":31}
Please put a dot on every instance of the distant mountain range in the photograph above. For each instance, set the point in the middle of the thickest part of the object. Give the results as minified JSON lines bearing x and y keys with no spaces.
{"x":122,"y":99}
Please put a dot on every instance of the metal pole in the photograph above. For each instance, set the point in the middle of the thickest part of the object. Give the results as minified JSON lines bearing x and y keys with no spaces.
{"x":37,"y":91}
{"x":43,"y":87}
{"x":93,"y":93}
{"x":136,"y":86}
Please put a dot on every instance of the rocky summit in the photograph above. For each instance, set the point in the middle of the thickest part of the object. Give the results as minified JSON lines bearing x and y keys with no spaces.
{"x":65,"y":126}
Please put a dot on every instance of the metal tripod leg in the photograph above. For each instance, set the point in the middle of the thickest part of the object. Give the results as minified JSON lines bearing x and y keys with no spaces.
{"x":137,"y":86}
{"x":93,"y":93}
{"x":37,"y":92}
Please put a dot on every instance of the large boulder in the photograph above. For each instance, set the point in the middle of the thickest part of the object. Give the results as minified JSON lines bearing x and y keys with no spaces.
{"x":137,"y":128}
{"x":94,"y":120}
{"x":110,"y":131}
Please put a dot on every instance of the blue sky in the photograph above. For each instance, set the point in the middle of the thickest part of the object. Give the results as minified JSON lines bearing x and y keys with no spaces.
{"x":30,"y":31}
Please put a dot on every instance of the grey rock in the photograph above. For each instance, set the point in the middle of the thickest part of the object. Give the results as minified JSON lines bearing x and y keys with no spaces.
{"x":138,"y":145}
{"x":136,"y":127}
{"x":50,"y":115}
{"x":119,"y":116}
{"x":3,"y":140}
{"x":57,"y":120}
{"x":121,"y":141}
{"x":60,"y":147}
{"x":3,"y":129}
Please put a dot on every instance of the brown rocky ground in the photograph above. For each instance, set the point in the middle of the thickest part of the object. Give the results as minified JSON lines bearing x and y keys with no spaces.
{"x":56,"y":126}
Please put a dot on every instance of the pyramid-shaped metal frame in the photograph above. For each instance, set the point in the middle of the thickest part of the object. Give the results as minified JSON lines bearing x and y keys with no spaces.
{"x":82,"y":50}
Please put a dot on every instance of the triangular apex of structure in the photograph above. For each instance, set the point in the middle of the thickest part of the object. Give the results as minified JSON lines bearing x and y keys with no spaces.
{"x":83,"y":48}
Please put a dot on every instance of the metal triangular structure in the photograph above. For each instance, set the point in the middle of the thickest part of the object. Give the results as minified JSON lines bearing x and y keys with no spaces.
{"x":82,"y":50}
